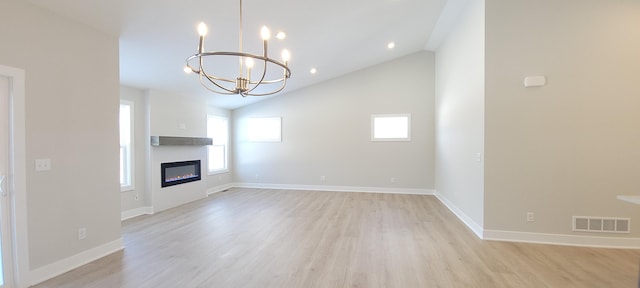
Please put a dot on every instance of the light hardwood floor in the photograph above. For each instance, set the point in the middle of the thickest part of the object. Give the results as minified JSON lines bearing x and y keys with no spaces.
{"x":280,"y":238}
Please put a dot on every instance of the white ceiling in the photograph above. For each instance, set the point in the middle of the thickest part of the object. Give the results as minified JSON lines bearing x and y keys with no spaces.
{"x":334,"y":36}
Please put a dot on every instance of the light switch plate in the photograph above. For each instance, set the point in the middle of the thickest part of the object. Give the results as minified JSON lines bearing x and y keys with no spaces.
{"x":535,"y":81}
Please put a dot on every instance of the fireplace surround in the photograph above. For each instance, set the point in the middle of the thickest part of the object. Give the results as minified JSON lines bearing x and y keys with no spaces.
{"x":175,"y":173}
{"x":170,"y":152}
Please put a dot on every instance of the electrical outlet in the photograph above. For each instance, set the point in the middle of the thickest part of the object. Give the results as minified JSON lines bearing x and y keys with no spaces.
{"x":43,"y":164}
{"x":82,"y":233}
{"x":137,"y":197}
{"x":322,"y":178}
{"x":394,"y":180}
{"x":530,"y":217}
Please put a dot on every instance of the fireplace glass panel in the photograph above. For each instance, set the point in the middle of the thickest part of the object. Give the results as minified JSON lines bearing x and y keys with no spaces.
{"x":175,"y":173}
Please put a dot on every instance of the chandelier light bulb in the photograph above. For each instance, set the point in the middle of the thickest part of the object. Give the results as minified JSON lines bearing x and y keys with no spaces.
{"x":202,"y":29}
{"x":265,"y":33}
{"x":187,"y":70}
{"x":281,"y":35}
{"x":249,"y":62}
{"x":286,"y":55}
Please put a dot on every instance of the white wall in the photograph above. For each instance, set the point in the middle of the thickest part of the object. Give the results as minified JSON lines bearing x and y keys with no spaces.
{"x":460,"y":117}
{"x":177,"y":115}
{"x":71,"y":118}
{"x":326,"y":131}
{"x":570,"y":147}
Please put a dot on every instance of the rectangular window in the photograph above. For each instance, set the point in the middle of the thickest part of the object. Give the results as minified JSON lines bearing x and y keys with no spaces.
{"x":391,"y":127}
{"x":126,"y":146}
{"x":265,"y":129}
{"x":218,"y":131}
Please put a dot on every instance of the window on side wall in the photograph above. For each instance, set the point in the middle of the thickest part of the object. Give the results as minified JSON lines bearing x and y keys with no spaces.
{"x":391,"y":127}
{"x":218,"y":131}
{"x":126,"y":146}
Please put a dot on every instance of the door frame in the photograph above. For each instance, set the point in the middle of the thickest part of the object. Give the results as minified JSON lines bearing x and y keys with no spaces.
{"x":17,"y":175}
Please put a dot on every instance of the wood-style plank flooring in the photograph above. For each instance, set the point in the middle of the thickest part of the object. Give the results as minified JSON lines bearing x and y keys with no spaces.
{"x":283,"y":238}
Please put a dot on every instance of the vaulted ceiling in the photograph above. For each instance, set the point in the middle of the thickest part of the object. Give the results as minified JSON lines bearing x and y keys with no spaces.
{"x":334,"y":36}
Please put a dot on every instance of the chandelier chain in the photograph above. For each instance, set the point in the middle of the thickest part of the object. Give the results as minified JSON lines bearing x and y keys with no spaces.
{"x":240,"y":40}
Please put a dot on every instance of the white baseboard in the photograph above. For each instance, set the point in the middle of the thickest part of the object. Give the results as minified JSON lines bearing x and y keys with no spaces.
{"x":47,"y":272}
{"x":416,"y":191}
{"x":563,"y":239}
{"x":472,"y":225}
{"x":124,"y":215}
{"x":219,"y":188}
{"x":540,"y":238}
{"x":148,"y":210}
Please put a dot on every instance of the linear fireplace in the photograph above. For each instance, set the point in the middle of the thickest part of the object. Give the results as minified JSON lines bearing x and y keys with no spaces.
{"x":174,"y":173}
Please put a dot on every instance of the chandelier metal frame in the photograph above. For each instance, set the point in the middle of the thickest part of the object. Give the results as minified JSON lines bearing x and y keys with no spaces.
{"x":243,"y":84}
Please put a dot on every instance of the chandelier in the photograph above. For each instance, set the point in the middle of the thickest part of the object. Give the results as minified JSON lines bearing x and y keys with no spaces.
{"x":244,"y":84}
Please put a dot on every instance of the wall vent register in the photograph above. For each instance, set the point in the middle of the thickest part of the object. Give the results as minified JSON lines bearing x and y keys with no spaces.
{"x":175,"y":173}
{"x":601,"y":224}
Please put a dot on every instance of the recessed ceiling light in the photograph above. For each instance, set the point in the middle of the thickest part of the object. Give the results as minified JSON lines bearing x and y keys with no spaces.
{"x":391,"y":45}
{"x":313,"y":71}
{"x":281,"y":35}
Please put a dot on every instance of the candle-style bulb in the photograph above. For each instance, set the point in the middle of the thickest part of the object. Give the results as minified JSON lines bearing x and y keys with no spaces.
{"x":265,"y":33}
{"x":286,"y":55}
{"x":249,"y":62}
{"x":187,"y":70}
{"x":202,"y":29}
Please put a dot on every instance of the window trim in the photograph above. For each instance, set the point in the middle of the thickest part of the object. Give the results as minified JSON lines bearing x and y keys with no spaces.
{"x":378,"y":139}
{"x":225,"y":147}
{"x":132,"y":169}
